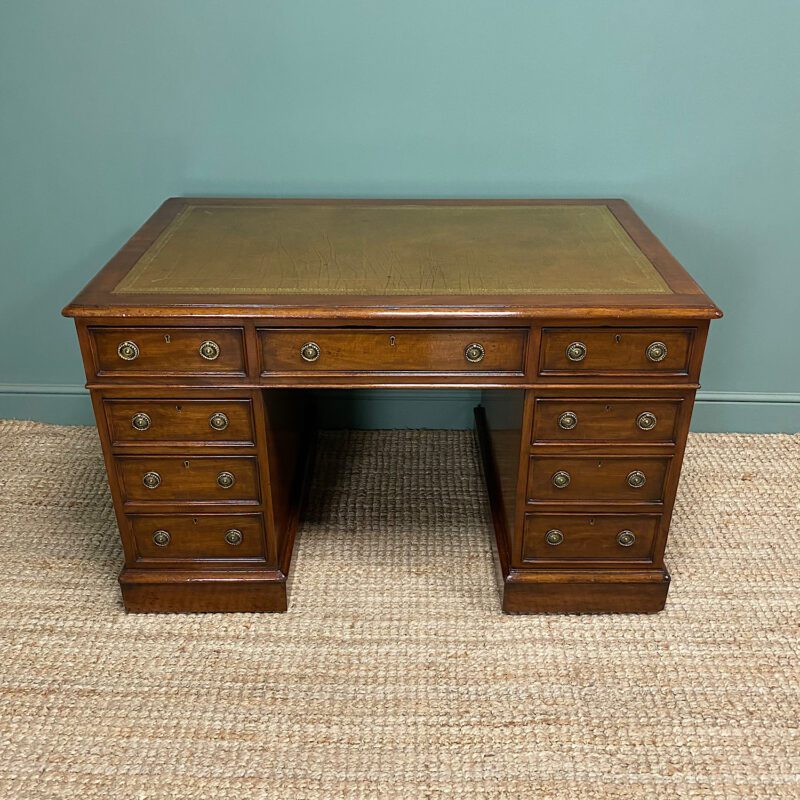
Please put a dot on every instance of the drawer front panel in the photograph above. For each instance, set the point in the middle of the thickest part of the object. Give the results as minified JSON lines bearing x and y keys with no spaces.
{"x":605,"y":420}
{"x":168,"y":351}
{"x":398,"y":350}
{"x":203,"y":421}
{"x":191,"y":479}
{"x":589,"y":537}
{"x":615,"y":351}
{"x":224,"y":537}
{"x":596,"y":478}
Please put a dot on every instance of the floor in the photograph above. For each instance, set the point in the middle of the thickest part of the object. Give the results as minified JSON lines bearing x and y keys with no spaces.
{"x":394,"y":674}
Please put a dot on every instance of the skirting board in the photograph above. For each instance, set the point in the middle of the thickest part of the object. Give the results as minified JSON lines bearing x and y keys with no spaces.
{"x":715,"y":412}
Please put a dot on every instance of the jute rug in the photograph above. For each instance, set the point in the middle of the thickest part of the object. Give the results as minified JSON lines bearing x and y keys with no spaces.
{"x":394,"y":675}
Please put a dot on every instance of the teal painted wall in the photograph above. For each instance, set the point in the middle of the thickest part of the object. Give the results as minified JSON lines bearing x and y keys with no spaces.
{"x":690,"y":110}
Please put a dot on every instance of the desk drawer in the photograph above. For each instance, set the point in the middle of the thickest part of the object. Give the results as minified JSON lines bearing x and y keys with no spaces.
{"x":198,"y":479}
{"x":589,"y":537}
{"x":621,"y":479}
{"x":396,"y":350}
{"x":170,"y":537}
{"x":168,"y":351}
{"x":605,"y":420}
{"x":227,"y":422}
{"x":615,"y":351}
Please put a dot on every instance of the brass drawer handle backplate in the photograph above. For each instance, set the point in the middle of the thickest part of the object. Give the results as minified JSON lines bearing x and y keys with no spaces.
{"x":161,"y":538}
{"x":561,"y":479}
{"x":646,"y":421}
{"x":576,"y":351}
{"x":128,"y":351}
{"x":209,"y":350}
{"x":226,"y":479}
{"x":233,"y":537}
{"x":554,"y":537}
{"x":636,"y":479}
{"x":310,"y":351}
{"x":474,"y":353}
{"x":626,"y":538}
{"x":218,"y":421}
{"x":657,"y":351}
{"x":568,"y":420}
{"x":151,"y":480}
{"x":140,"y":421}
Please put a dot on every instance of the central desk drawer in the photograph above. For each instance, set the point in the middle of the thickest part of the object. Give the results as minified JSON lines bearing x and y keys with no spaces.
{"x":164,"y":421}
{"x":621,"y":479}
{"x":198,"y":479}
{"x":393,"y":350}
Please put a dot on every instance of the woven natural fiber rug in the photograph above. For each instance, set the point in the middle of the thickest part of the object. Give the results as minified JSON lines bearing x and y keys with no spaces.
{"x":394,"y":674}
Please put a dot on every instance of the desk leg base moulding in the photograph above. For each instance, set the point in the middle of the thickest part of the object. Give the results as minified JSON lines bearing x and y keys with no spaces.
{"x":204,"y":336}
{"x":612,"y":593}
{"x":193,"y":591}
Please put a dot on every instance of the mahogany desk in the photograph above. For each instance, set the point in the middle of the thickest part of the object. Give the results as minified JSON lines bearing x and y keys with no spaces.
{"x":202,"y":335}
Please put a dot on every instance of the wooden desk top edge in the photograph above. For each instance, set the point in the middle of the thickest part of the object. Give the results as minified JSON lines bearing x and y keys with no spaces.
{"x":686,"y":300}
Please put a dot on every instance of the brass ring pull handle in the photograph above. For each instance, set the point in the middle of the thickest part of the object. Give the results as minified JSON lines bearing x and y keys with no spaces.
{"x":226,"y":479}
{"x":161,"y":538}
{"x":233,"y":537}
{"x":646,"y":421}
{"x":128,"y":351}
{"x":140,"y":421}
{"x":151,"y":480}
{"x":218,"y":421}
{"x":474,"y":352}
{"x":656,"y":351}
{"x":568,"y":420}
{"x":209,"y":350}
{"x":554,"y":537}
{"x":626,"y":538}
{"x":636,"y":479}
{"x":310,"y":351}
{"x":576,"y":351}
{"x":561,"y":479}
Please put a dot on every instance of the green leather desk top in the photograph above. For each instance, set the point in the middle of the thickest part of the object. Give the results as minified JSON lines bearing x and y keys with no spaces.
{"x":394,"y":250}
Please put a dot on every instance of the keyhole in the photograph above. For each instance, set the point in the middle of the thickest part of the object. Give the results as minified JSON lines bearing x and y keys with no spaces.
{"x":167,"y":338}
{"x":617,"y":338}
{"x":179,"y":408}
{"x":194,"y":520}
{"x":591,"y":521}
{"x":599,"y":465}
{"x":608,"y":408}
{"x":186,"y":464}
{"x":392,"y":341}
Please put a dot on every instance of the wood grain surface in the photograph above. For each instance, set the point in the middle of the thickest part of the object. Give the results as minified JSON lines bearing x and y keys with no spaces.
{"x":590,"y":538}
{"x":197,"y":538}
{"x":180,"y":420}
{"x":605,"y":420}
{"x":393,"y":350}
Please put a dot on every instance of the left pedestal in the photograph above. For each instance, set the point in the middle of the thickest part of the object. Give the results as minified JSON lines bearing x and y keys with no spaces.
{"x":205,"y":471}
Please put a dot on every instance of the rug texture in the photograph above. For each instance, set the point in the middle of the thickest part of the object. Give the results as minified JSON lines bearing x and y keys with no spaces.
{"x":394,"y":674}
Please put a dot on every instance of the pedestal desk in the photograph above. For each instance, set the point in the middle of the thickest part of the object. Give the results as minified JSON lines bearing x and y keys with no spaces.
{"x":202,"y":337}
